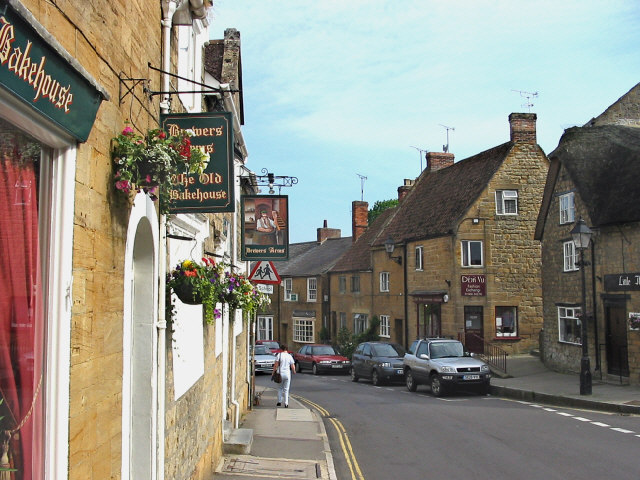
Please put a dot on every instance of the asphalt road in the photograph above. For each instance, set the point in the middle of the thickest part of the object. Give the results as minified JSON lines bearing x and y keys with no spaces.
{"x":392,"y":433}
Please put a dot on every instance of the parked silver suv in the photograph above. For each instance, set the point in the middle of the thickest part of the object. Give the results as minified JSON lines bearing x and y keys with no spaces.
{"x":445,"y":366}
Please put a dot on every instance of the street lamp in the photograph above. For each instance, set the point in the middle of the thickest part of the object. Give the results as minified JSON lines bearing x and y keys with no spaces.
{"x":389,"y":246}
{"x":581,"y":237}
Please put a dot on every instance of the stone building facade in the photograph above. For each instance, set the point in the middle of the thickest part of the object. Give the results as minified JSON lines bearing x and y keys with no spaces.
{"x":118,"y":404}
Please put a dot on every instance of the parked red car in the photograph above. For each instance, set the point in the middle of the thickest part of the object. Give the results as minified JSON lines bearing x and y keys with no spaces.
{"x":321,"y":358}
{"x":270,"y":344}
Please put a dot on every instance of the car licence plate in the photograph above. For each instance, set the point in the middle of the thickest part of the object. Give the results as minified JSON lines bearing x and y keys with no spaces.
{"x":471,"y":377}
{"x":336,"y":366}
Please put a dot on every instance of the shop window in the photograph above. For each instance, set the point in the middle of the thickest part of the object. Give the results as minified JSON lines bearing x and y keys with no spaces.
{"x":303,"y":330}
{"x":506,"y":322}
{"x":569,"y":328}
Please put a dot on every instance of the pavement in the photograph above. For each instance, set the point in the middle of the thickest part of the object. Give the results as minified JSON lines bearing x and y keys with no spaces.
{"x":292,"y":443}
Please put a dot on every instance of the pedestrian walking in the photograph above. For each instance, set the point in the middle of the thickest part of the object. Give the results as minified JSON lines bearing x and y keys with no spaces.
{"x":285,"y":366}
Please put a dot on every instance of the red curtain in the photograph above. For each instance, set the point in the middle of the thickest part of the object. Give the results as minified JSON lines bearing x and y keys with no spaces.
{"x":21,"y":316}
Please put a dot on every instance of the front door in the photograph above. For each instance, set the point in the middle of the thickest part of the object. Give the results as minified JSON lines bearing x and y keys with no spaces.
{"x":429,"y":320}
{"x":616,"y":332}
{"x":473,"y":329}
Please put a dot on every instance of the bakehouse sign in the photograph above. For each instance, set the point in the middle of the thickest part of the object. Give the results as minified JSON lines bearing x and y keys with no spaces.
{"x":41,"y":77}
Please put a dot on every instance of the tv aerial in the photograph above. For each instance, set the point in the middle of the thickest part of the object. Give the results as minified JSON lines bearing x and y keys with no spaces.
{"x":362,"y":180}
{"x":420,"y":152}
{"x":529,"y":96}
{"x":445,"y":148}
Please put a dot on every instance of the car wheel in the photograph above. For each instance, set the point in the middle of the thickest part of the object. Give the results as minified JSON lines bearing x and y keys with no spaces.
{"x":375,"y":378}
{"x":486,"y":389}
{"x":354,"y":375}
{"x":314,"y":369}
{"x":412,"y":386}
{"x":437,"y":389}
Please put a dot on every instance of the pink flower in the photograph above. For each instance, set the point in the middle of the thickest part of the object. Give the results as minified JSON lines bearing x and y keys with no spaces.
{"x":148,"y":179}
{"x":127,"y":130}
{"x":123,"y":185}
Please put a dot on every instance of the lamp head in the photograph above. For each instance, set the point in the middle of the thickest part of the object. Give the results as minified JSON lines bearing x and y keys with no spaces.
{"x":581,"y":235}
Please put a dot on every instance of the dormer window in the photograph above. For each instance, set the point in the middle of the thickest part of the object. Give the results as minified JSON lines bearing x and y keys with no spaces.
{"x":507,"y":202}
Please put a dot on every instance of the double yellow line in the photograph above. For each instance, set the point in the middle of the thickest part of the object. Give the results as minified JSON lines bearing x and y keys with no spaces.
{"x":345,"y":443}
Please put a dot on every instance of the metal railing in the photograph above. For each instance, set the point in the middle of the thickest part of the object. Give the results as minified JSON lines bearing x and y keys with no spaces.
{"x":492,"y":354}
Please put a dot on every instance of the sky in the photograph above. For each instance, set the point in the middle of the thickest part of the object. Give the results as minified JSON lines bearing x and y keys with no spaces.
{"x":347,"y":95}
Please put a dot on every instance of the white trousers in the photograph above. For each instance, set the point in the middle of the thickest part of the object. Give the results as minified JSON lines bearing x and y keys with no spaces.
{"x":283,"y":389}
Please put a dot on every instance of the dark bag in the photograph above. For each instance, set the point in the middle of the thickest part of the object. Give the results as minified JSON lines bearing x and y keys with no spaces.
{"x":276,"y":377}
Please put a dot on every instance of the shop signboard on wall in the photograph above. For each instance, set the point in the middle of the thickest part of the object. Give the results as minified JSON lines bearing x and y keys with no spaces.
{"x":622,"y":282}
{"x":212,"y":191}
{"x":265,"y":229}
{"x":45,"y":78}
{"x":473,"y":285}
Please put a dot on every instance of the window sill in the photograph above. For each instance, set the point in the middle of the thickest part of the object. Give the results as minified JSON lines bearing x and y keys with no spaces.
{"x":503,"y":339}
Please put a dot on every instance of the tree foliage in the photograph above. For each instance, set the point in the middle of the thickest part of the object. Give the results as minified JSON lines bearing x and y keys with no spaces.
{"x":379,"y":207}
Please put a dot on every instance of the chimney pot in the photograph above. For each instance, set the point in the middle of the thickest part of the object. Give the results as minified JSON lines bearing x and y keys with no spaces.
{"x":523,"y":127}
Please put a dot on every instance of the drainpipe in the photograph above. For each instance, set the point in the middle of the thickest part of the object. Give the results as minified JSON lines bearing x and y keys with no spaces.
{"x":168,"y":10}
{"x":234,"y":401}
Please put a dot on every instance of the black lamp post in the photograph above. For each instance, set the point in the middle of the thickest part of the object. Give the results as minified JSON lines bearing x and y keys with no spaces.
{"x":389,"y":246}
{"x":581,"y":237}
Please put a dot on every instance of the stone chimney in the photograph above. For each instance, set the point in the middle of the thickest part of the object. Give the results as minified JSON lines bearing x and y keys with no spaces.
{"x":439,"y":160}
{"x":404,"y":189}
{"x":523,"y":127}
{"x":359,"y":219}
{"x":325,"y":232}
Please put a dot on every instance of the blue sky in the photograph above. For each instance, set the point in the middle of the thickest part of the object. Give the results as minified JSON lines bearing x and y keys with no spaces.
{"x":337,"y":89}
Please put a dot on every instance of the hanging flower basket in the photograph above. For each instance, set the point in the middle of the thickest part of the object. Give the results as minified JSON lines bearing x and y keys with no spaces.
{"x":147,"y":162}
{"x":187,"y":293}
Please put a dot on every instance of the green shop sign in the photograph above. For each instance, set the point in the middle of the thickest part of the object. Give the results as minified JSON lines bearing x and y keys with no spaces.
{"x":41,"y":77}
{"x":211,"y":191}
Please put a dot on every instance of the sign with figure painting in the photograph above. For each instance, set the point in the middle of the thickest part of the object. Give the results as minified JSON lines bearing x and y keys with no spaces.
{"x":265,"y":227}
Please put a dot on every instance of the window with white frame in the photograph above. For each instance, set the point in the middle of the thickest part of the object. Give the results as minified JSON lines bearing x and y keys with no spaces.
{"x":507,"y":202}
{"x":471,"y":253}
{"x":343,"y":320}
{"x":384,"y":281}
{"x":570,"y":256}
{"x":342,"y":284}
{"x":265,"y":327}
{"x":567,"y":208}
{"x":312,"y":289}
{"x":303,"y":330}
{"x":385,"y":328}
{"x":506,"y":322}
{"x":288,"y":289}
{"x":360,"y":322}
{"x":419,"y":258}
{"x":569,"y":327}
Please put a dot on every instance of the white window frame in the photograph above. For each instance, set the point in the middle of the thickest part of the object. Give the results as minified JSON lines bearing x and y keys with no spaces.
{"x":465,"y":253}
{"x":566,"y":315}
{"x":312,"y":289}
{"x":570,"y":256}
{"x":567,"y":207}
{"x":385,"y":326}
{"x":384,"y":281}
{"x":303,"y":330}
{"x":264,"y":327}
{"x":288,"y":288}
{"x":502,"y":199}
{"x":419,"y":258}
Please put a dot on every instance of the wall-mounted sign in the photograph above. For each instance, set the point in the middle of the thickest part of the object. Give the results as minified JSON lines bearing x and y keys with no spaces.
{"x":621,"y":282}
{"x":265,"y":271}
{"x":212,"y":191}
{"x":265,"y":229}
{"x":473,"y":285}
{"x":43,"y":78}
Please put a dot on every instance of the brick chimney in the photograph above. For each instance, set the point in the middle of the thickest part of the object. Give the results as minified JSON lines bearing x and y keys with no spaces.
{"x":359,"y":219}
{"x":404,"y":189}
{"x":439,"y":160}
{"x":325,"y":232}
{"x":523,"y":127}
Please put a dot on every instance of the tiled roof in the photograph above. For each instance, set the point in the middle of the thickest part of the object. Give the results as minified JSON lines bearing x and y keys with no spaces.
{"x":312,"y":258}
{"x":604,"y":165}
{"x":358,"y":257}
{"x":439,"y":199}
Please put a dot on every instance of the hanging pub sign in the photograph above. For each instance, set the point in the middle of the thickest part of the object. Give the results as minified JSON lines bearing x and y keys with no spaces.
{"x":43,"y":75}
{"x":265,"y":232}
{"x":212,"y":190}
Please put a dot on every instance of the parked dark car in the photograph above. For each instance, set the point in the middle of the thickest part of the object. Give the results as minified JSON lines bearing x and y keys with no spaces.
{"x":321,"y":358}
{"x":378,"y":361}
